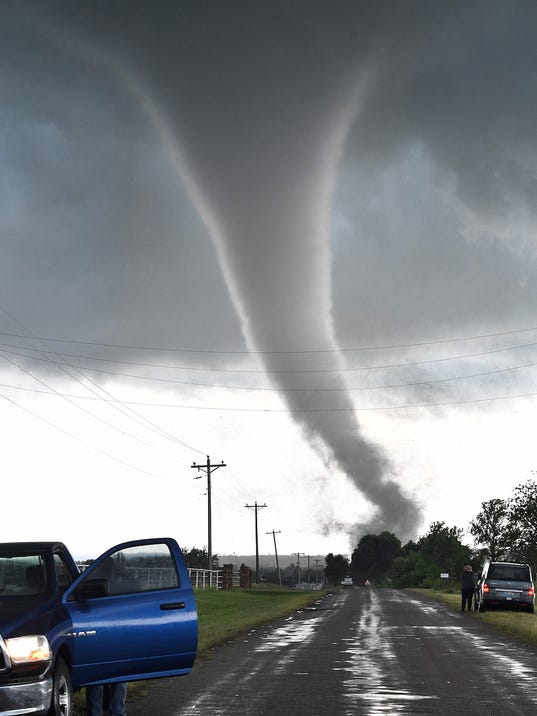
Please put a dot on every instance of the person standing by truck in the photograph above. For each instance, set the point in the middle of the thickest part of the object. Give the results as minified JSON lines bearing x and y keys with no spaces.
{"x":467,"y":587}
{"x":115,"y":696}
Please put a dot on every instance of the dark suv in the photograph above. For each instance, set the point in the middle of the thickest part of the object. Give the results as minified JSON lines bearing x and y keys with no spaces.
{"x":505,"y":584}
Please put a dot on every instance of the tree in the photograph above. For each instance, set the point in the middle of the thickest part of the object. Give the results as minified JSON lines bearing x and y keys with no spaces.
{"x":336,"y":568}
{"x":196,"y":558}
{"x":490,"y":528}
{"x":442,"y":547}
{"x":411,"y":569}
{"x":522,"y":520}
{"x":374,"y":556}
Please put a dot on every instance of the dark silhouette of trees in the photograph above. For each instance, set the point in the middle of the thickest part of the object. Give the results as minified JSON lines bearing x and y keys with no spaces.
{"x":411,"y":569}
{"x":442,"y":547}
{"x":507,"y":529}
{"x":490,"y":528}
{"x":522,"y":523}
{"x":373,"y":557}
{"x":337,"y":567}
{"x":196,"y":558}
{"x":440,"y":551}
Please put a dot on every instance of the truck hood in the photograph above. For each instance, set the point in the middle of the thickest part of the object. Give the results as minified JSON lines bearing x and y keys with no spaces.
{"x":29,"y":615}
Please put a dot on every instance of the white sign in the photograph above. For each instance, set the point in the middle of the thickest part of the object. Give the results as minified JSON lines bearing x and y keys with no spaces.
{"x":444,"y":575}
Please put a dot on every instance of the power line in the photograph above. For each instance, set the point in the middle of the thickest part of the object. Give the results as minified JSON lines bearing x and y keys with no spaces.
{"x":80,"y":440}
{"x":277,"y":389}
{"x":219,"y":408}
{"x":113,"y":402}
{"x":70,"y":401}
{"x":127,"y":411}
{"x":168,"y":349}
{"x":302,"y":371}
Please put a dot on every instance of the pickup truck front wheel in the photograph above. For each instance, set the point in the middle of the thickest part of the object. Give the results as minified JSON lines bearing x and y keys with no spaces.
{"x":62,"y":691}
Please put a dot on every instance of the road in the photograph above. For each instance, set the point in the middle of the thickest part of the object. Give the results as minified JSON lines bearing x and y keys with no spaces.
{"x":358,"y":652}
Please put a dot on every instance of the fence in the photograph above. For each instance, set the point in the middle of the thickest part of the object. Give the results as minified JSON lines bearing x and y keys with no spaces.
{"x":160,"y":578}
{"x":206,"y":578}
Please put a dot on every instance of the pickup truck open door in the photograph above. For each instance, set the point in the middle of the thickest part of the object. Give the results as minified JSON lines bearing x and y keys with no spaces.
{"x":133,"y":615}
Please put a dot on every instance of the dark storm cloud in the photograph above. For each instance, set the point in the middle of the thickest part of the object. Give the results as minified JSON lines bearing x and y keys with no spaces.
{"x":99,"y":239}
{"x":430,"y":105}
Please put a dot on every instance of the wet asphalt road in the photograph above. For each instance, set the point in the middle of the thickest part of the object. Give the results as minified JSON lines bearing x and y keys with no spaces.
{"x":358,"y":652}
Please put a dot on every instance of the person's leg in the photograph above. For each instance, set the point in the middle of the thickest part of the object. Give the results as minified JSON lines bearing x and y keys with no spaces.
{"x":118,"y":697}
{"x":94,"y":700}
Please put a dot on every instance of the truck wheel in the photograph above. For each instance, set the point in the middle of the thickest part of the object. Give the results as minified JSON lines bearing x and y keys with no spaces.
{"x":62,"y":691}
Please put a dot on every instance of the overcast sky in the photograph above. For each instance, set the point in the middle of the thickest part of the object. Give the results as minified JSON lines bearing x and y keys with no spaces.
{"x":298,"y":237}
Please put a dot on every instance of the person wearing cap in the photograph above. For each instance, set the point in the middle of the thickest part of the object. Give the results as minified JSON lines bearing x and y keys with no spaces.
{"x":467,"y":587}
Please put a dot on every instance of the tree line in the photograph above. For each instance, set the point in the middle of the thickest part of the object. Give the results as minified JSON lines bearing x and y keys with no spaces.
{"x":504,"y":529}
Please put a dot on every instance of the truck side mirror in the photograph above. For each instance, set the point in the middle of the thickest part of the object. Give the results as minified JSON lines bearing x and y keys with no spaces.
{"x":90,"y":589}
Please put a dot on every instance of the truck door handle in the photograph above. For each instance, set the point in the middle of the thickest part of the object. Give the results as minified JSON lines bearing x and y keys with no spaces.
{"x":172,"y":605}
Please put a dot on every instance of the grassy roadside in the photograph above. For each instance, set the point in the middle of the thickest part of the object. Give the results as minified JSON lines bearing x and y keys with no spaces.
{"x":222,"y":616}
{"x":519,"y":624}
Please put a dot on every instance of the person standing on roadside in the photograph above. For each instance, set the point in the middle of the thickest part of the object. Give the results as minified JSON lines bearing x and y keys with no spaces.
{"x":467,"y":587}
{"x":110,"y":696}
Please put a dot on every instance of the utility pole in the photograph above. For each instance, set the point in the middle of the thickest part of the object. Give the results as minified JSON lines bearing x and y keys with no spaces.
{"x":298,"y":555}
{"x":273,"y":533}
{"x":207,"y":469}
{"x":317,"y":560}
{"x":256,"y":509}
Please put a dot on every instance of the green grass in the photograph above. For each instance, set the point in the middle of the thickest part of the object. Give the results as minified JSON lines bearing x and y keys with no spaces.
{"x":225,"y":615}
{"x":519,"y":624}
{"x":222,"y":616}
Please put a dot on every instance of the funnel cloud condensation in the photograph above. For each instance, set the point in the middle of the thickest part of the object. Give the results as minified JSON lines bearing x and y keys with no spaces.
{"x":261,"y":117}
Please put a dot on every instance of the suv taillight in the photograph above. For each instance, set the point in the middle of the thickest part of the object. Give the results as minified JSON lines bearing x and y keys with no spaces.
{"x":486,"y":587}
{"x":531,"y":592}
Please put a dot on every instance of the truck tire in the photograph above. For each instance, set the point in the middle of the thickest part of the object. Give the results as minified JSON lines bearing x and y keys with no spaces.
{"x":62,"y":691}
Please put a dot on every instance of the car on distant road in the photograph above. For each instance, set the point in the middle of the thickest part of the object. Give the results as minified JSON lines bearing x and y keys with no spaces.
{"x":505,"y":584}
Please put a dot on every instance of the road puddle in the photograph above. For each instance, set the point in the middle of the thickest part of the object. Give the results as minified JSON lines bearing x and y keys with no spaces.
{"x":372,"y":666}
{"x":376,"y":680}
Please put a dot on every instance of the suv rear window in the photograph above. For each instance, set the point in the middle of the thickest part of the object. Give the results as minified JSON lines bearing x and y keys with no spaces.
{"x":510,"y":572}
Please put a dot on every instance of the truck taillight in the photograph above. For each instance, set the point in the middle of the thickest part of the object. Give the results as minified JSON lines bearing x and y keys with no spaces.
{"x":531,"y":592}
{"x":486,"y":587}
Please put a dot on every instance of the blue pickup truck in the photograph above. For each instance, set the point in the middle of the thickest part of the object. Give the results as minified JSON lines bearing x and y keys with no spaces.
{"x":130,"y":615}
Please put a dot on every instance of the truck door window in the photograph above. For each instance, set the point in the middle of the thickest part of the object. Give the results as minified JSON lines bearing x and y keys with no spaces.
{"x":63,"y":575}
{"x":140,"y":568}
